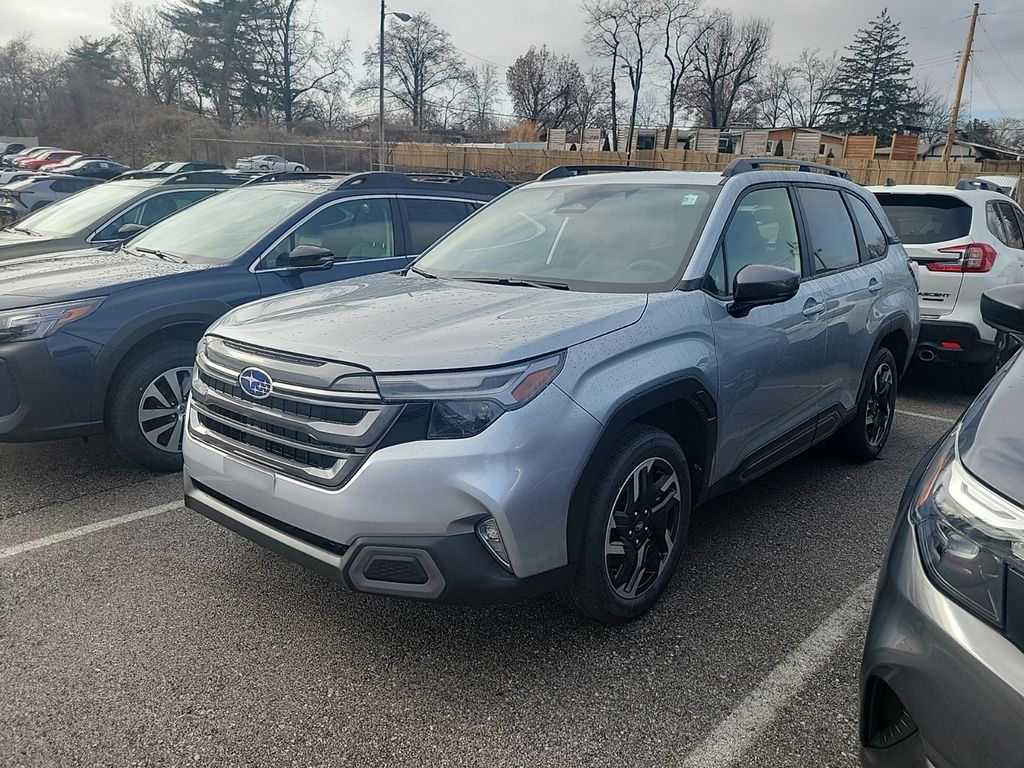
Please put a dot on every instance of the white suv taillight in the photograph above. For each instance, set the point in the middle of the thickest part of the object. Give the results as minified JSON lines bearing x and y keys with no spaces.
{"x":974,"y":257}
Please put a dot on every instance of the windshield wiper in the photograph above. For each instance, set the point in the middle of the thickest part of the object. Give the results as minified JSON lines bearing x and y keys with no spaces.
{"x":517,"y":281}
{"x":23,"y":229}
{"x":160,"y":255}
{"x":421,"y":272}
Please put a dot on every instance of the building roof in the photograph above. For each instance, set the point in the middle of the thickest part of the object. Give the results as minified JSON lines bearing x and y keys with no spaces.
{"x":982,"y":150}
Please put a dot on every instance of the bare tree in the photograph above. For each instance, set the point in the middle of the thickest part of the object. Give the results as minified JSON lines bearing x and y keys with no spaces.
{"x":155,"y":52}
{"x":480,"y":97}
{"x":543,"y":87}
{"x":604,"y":38}
{"x":935,"y":110}
{"x":677,"y":20}
{"x":727,"y":57}
{"x":813,"y":87}
{"x":419,"y":60}
{"x":592,"y":108}
{"x":774,"y":95}
{"x":640,"y":20}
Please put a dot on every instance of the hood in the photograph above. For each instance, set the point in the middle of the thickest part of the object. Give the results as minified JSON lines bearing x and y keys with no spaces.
{"x":392,"y":322}
{"x":992,"y":433}
{"x":13,"y":239}
{"x":76,"y":274}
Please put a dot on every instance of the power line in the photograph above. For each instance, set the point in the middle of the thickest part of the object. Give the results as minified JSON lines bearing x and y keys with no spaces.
{"x":995,"y":50}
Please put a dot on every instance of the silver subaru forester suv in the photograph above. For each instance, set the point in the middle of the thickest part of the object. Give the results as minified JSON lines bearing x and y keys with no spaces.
{"x":540,"y":401}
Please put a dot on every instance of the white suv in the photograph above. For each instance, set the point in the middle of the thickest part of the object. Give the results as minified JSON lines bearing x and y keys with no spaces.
{"x":966,"y":239}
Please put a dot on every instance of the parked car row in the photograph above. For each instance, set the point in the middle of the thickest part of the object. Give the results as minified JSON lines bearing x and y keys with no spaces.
{"x":439,"y":387}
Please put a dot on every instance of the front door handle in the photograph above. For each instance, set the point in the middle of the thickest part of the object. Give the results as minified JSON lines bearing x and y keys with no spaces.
{"x":813,"y":308}
{"x":874,"y":286}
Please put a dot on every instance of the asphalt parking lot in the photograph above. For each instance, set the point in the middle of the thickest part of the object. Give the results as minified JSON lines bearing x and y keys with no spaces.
{"x":163,"y":639}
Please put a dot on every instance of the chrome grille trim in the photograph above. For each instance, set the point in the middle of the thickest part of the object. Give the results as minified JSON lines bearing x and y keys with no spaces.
{"x":319,"y":436}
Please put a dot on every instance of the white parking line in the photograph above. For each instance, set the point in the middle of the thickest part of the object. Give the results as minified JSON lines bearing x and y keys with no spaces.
{"x":85,"y":530}
{"x":919,"y":415}
{"x":734,"y":735}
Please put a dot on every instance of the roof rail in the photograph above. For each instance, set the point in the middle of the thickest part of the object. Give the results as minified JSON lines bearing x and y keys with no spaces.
{"x":568,"y":171}
{"x":380,"y":179}
{"x":748,"y":164}
{"x":209,"y":175}
{"x":267,"y":178}
{"x":979,"y":184}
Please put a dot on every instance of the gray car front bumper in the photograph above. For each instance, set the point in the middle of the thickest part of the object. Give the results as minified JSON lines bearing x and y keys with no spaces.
{"x":959,"y":679}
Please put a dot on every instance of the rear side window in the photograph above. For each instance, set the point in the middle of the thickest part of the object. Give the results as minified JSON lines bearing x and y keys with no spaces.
{"x":833,"y":242}
{"x":876,"y":244}
{"x":1004,"y":225}
{"x":429,"y":220}
{"x":920,"y":219}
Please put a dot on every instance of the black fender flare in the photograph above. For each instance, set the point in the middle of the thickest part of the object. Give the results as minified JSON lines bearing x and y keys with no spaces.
{"x":687,"y":389}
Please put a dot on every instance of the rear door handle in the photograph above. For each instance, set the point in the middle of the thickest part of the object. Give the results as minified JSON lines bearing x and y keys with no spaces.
{"x":813,"y":308}
{"x":874,"y":285}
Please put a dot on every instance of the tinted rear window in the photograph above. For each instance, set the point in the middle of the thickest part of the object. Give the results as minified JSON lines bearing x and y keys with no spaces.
{"x":921,"y":219}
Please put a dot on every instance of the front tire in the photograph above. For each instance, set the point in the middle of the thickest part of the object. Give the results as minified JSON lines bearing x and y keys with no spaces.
{"x":975,"y":377}
{"x":865,"y":437}
{"x":638,"y":513}
{"x":146,"y":405}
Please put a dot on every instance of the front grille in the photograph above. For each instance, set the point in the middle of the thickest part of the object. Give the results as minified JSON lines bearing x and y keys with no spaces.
{"x":315,"y":434}
{"x":292,"y":407}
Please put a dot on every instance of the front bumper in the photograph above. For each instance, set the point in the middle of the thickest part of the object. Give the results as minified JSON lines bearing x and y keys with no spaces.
{"x":36,"y":400}
{"x":972,"y":349}
{"x":960,"y":680}
{"x":426,"y":495}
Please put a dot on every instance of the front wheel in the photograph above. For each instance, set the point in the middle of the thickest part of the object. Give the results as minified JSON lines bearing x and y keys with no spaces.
{"x":865,"y":437}
{"x":146,"y":405}
{"x":637,"y":517}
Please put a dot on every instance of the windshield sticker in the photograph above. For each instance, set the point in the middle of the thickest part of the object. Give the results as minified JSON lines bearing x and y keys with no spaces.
{"x":690,"y":200}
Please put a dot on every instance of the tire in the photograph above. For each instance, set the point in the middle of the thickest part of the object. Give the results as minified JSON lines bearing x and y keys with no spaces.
{"x":146,"y":404}
{"x":908,"y":753}
{"x":974,"y":377}
{"x":865,"y":437}
{"x":610,"y":586}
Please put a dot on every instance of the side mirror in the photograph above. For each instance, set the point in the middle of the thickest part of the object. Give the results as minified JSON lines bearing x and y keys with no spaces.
{"x":757,"y":285}
{"x":126,"y":231}
{"x":1003,"y":308}
{"x":310,"y":257}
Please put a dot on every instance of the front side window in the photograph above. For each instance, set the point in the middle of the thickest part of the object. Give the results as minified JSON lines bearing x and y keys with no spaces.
{"x":429,"y":220}
{"x":605,"y":237}
{"x":352,"y":230}
{"x":223,"y":227}
{"x":153,"y":209}
{"x":762,"y":230}
{"x":876,"y":244}
{"x":833,"y":241}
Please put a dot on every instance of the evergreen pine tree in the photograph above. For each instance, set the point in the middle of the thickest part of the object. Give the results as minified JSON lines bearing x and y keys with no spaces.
{"x":874,"y":92}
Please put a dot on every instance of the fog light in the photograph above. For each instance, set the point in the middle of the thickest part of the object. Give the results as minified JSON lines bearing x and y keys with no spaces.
{"x":489,"y":534}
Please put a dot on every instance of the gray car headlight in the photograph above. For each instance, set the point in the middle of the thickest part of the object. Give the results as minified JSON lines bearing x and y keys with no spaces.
{"x":465,"y":403}
{"x":969,"y":535}
{"x":38,"y":322}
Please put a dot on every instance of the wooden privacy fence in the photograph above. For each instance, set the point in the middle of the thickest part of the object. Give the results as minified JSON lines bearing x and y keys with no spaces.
{"x":524,"y":164}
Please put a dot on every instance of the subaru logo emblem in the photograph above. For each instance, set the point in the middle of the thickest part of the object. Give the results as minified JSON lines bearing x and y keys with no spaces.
{"x":256,"y":383}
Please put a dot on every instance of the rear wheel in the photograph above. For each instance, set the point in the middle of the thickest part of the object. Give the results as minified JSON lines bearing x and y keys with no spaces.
{"x":146,"y":405}
{"x":865,"y":437}
{"x":637,"y":518}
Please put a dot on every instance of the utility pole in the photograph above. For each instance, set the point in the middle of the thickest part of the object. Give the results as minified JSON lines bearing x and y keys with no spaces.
{"x":964,"y":61}
{"x":380,"y":137}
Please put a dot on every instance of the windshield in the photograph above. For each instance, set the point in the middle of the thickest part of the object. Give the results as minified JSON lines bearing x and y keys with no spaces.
{"x":589,"y":237}
{"x":223,"y":227}
{"x":79,"y":211}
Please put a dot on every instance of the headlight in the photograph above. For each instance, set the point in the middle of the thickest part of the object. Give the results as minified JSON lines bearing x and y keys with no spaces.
{"x":39,"y":322}
{"x":465,"y":403}
{"x":971,"y":538}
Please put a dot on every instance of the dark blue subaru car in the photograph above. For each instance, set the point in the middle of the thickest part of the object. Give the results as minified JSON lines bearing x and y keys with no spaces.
{"x":104,"y":340}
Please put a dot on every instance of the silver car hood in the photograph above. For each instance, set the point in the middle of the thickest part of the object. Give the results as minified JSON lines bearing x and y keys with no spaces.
{"x":392,"y":322}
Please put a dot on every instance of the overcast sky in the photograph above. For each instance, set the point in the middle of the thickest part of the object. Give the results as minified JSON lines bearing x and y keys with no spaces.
{"x":498,"y":31}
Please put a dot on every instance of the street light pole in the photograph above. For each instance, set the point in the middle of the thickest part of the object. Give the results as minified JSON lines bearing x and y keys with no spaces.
{"x":380,"y":137}
{"x":382,"y":156}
